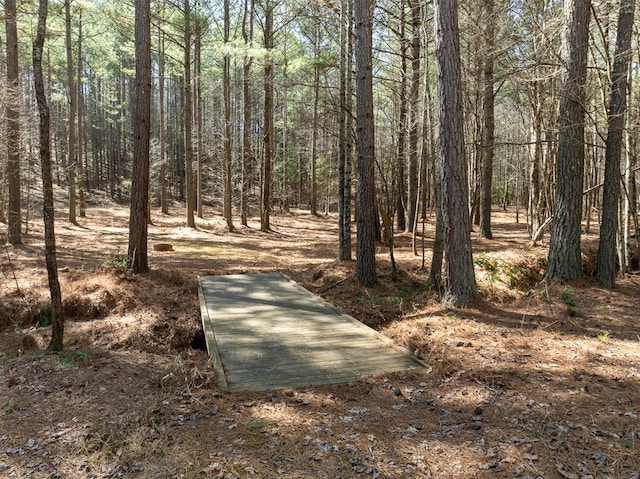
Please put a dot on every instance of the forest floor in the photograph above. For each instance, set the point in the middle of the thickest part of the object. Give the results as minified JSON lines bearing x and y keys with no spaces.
{"x":534,"y":381}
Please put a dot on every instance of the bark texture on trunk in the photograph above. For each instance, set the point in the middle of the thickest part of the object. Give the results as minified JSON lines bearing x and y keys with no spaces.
{"x":71,"y":91}
{"x":247,"y":35}
{"x":226,"y":88}
{"x":268,"y":137}
{"x":344,"y":147}
{"x":14,"y":218}
{"x":138,"y":214}
{"x":459,"y":280}
{"x":188,"y":116}
{"x":565,"y":260}
{"x":488,"y":129}
{"x":606,"y":270}
{"x":57,"y":317}
{"x":366,"y":203}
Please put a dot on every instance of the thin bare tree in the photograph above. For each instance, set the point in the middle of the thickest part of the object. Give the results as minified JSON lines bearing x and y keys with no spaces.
{"x":71,"y":95}
{"x":57,"y":314}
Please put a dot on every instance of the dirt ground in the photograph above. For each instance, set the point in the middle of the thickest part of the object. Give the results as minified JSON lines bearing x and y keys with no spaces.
{"x":535,"y":381}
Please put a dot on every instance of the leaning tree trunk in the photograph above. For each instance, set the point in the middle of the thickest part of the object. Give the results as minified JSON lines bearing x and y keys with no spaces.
{"x":460,"y":284}
{"x":13,"y":125}
{"x":57,"y":317}
{"x":366,"y":206}
{"x":565,"y":259}
{"x":605,"y":272}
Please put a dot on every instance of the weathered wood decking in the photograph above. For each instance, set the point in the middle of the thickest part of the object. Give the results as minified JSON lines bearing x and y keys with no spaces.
{"x":264,"y":331}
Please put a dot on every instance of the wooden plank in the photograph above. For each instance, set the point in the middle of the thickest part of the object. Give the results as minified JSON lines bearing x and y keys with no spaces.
{"x":265,"y":331}
{"x":210,"y":339}
{"x":269,"y":364}
{"x":276,"y":373}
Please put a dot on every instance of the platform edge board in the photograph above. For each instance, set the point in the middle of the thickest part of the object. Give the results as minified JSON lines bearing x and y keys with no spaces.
{"x":300,"y":382}
{"x":247,"y":376}
{"x":382,"y":364}
{"x":210,"y":340}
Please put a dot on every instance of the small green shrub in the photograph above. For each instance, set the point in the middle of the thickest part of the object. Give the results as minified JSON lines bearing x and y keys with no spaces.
{"x":567,"y":297}
{"x":396,"y":300}
{"x":486,"y":263}
{"x":67,"y":360}
{"x":117,"y":261}
{"x":370,"y":299}
{"x":512,"y":275}
{"x":413,"y":288}
{"x":44,"y":320}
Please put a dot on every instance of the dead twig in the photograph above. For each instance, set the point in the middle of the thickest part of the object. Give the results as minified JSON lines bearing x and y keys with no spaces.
{"x":13,"y":271}
{"x":333,"y":285}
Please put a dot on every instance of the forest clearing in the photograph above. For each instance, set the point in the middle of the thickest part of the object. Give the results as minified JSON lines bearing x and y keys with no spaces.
{"x":530,"y":382}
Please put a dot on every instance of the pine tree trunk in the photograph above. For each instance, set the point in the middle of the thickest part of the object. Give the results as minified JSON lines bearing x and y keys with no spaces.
{"x":164,"y":206}
{"x":284,"y":192}
{"x":400,"y":193}
{"x":226,"y":91}
{"x":488,"y":125}
{"x":605,"y":272}
{"x":247,"y":35}
{"x":57,"y":317}
{"x":314,"y":131}
{"x":565,"y":261}
{"x":344,"y":170}
{"x":141,"y":133}
{"x":198,"y":118}
{"x":265,"y":210}
{"x":536,"y":162}
{"x":414,"y":93}
{"x":71,"y":92}
{"x":187,"y":121}
{"x":460,"y":285}
{"x":366,"y":218}
{"x":14,"y":229}
{"x":82,"y":179}
{"x":435,"y":274}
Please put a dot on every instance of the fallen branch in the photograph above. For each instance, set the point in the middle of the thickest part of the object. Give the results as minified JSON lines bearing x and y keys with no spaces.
{"x":333,"y":285}
{"x":538,"y":234}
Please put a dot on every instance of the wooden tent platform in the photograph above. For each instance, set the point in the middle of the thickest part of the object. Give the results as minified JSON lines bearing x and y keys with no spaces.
{"x":264,"y":331}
